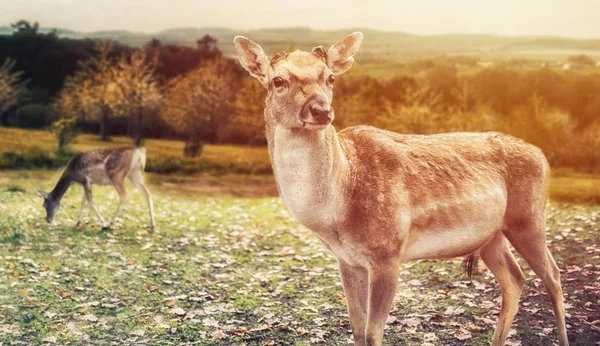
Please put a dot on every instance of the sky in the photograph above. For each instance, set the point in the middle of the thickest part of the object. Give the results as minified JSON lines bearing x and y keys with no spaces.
{"x":570,"y":18}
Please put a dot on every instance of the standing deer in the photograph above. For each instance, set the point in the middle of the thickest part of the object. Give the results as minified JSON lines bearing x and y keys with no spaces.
{"x":376,"y":198}
{"x":102,"y":167}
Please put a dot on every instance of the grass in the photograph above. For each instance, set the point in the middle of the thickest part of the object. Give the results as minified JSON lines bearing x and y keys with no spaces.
{"x":20,"y":148}
{"x":224,"y":270}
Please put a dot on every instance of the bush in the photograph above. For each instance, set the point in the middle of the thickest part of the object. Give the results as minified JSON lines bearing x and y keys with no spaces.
{"x":34,"y":158}
{"x":15,"y":188}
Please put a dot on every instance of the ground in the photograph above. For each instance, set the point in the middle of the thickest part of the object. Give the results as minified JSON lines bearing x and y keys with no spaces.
{"x":228,"y":270}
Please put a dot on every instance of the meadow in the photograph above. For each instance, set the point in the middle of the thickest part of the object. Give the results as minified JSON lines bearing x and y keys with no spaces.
{"x":225,"y":270}
{"x":228,"y":265}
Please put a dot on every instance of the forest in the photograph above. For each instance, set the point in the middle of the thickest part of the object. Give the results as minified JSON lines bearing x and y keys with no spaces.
{"x":197,"y":95}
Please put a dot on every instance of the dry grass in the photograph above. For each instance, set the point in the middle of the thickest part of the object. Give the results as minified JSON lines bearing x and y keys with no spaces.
{"x":164,"y":156}
{"x":567,"y":184}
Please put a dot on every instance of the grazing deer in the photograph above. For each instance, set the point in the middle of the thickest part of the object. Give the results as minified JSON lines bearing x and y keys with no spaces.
{"x":376,"y":198}
{"x":102,"y":167}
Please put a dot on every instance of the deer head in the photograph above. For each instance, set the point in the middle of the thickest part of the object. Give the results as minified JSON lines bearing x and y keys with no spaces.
{"x":50,"y":205}
{"x":299,"y":84}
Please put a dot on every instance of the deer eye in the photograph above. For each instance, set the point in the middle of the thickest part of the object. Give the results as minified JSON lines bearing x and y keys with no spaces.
{"x":330,"y":79}
{"x":278,"y":82}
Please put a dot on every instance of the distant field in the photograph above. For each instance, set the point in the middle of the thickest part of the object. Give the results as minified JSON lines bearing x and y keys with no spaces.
{"x":237,"y":163}
{"x":164,"y":156}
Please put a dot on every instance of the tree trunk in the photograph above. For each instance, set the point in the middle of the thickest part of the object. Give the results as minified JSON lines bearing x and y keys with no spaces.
{"x":192,"y":148}
{"x":140,"y":127}
{"x":104,"y":127}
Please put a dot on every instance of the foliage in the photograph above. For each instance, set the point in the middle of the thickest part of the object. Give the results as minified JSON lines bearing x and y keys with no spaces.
{"x":138,"y":86}
{"x":198,"y":105}
{"x":247,"y":125}
{"x":12,"y":87}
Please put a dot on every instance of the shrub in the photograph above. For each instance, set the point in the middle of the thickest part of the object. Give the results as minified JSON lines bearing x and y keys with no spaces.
{"x":15,"y":188}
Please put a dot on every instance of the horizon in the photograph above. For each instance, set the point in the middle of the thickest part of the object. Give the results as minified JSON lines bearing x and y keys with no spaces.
{"x":510,"y":18}
{"x":348,"y":29}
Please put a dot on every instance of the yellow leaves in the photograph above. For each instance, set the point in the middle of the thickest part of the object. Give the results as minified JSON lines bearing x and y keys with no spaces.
{"x":84,"y":309}
{"x":11,"y":265}
{"x":30,"y":303}
{"x":23,"y":292}
{"x":172,"y":303}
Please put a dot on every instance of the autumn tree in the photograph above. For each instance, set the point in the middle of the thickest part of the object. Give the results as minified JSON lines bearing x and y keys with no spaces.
{"x":139,"y":89}
{"x":200,"y":103}
{"x":247,"y":124}
{"x":12,"y":88}
{"x":71,"y":104}
{"x":102,"y":95}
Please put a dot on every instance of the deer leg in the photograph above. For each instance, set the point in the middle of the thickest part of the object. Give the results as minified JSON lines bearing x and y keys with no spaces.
{"x":529,"y":239}
{"x":356,"y":285}
{"x":382,"y":288}
{"x":122,"y":199}
{"x":87,"y":187}
{"x":499,"y":259}
{"x":81,"y":210}
{"x":138,"y":180}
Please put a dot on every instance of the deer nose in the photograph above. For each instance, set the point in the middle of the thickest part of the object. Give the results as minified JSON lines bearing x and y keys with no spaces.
{"x":320,"y":113}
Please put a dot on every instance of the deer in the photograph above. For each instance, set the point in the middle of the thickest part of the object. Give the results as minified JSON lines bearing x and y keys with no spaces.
{"x":102,"y":167}
{"x":376,"y":198}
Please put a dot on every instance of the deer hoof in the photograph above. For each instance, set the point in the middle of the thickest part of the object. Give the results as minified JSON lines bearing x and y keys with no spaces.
{"x":78,"y":224}
{"x":105,"y":228}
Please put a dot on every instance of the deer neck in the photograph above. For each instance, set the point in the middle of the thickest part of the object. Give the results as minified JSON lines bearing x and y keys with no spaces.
{"x":61,"y":188}
{"x":311,"y":173}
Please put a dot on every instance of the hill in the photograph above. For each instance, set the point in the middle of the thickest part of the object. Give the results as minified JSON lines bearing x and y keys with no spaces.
{"x":378,"y":45}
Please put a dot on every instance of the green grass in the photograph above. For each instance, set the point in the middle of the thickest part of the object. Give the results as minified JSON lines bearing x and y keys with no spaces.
{"x":244,"y":270}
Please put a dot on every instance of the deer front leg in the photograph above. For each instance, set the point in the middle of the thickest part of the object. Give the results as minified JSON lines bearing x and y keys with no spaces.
{"x":356,"y":288}
{"x":383,"y":279}
{"x":81,"y":210}
{"x":87,"y":188}
{"x":122,"y":199}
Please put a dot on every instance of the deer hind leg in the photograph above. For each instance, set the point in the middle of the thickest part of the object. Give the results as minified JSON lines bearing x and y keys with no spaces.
{"x":499,"y":259}
{"x":529,"y":239}
{"x":137,"y":178}
{"x":81,"y":210}
{"x":383,"y":279}
{"x":119,"y":186}
{"x":356,"y":286}
{"x":87,"y":188}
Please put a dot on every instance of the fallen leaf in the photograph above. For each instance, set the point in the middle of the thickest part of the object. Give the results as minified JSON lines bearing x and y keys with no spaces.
{"x":462,"y":334}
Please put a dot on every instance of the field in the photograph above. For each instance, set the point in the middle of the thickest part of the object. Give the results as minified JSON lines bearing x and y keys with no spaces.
{"x":198,"y":174}
{"x":223,"y":270}
{"x":228,"y":265}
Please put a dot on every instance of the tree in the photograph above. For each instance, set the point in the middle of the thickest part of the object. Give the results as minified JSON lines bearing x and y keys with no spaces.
{"x":247,"y":125}
{"x":134,"y":76}
{"x":582,"y":59}
{"x":25,"y":28}
{"x":199,"y":104}
{"x":70,"y":105}
{"x":12,"y":88}
{"x":101,"y":96}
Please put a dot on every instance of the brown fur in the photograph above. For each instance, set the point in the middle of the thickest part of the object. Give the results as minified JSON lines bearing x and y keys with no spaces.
{"x":376,"y":198}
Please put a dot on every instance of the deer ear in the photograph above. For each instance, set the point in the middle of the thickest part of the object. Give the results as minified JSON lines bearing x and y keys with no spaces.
{"x":341,"y":55}
{"x":253,"y":59}
{"x":43,"y":194}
